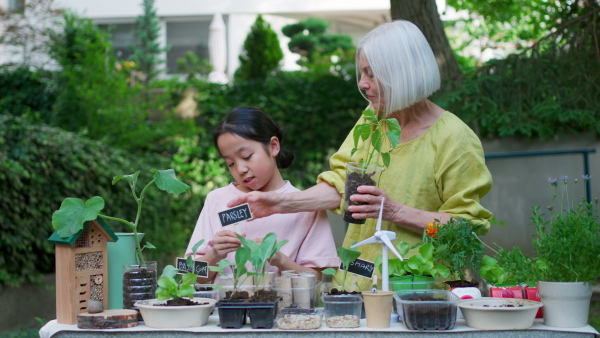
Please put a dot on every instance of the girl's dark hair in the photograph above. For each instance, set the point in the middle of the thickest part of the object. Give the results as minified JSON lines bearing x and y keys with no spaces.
{"x":253,"y":124}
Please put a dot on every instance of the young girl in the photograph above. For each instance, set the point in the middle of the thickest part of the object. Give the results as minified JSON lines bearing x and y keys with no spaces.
{"x":249,"y":142}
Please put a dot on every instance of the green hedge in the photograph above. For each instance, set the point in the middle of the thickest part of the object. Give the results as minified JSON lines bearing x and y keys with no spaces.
{"x":41,"y":165}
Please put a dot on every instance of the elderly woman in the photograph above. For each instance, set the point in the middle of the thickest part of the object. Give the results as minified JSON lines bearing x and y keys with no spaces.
{"x":437,"y":171}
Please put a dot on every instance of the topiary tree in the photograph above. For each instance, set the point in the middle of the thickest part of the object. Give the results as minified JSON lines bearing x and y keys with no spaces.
{"x":308,"y":38}
{"x":147,"y":49}
{"x":261,"y":54}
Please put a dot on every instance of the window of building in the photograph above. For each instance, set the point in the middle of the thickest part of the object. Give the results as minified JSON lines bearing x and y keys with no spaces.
{"x":121,"y":38}
{"x":184,"y":36}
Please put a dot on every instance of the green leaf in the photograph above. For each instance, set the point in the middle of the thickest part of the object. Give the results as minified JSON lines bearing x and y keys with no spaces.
{"x":329,"y":271}
{"x":149,"y":245}
{"x":167,"y":181}
{"x":189,"y":279}
{"x":376,"y":140}
{"x":347,"y":256}
{"x":403,"y":248}
{"x":169,"y":271}
{"x":386,"y":159}
{"x":195,"y":247}
{"x":131,"y":179}
{"x":394,"y":131}
{"x":186,"y":291}
{"x":73,"y":212}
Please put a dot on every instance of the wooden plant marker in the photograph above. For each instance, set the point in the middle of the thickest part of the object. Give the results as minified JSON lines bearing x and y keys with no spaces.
{"x":108,"y":319}
{"x":235,"y":215}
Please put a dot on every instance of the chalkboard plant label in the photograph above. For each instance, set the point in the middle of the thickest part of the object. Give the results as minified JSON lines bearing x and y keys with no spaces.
{"x":347,"y":256}
{"x":235,"y":215}
{"x":199,"y":268}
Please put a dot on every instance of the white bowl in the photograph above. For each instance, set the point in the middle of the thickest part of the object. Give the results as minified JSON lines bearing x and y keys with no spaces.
{"x":489,"y":313}
{"x":175,"y":316}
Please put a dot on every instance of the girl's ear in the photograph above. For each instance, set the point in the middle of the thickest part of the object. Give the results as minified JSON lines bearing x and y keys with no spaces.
{"x":274,"y":146}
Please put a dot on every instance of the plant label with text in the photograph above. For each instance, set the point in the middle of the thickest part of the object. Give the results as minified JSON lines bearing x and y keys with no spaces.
{"x":200,"y":267}
{"x":235,"y":215}
{"x":360,"y":267}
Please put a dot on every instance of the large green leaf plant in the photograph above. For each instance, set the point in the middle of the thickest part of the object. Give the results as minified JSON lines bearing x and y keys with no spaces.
{"x":74,"y":212}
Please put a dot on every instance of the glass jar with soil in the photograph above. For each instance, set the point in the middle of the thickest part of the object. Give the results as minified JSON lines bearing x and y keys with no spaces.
{"x":356,"y":175}
{"x":342,"y":310}
{"x":139,"y":283}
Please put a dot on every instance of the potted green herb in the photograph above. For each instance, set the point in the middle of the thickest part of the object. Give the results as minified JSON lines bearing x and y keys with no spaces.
{"x":232,"y":314}
{"x":567,"y":261}
{"x":74,"y":212}
{"x":458,"y":247}
{"x":342,"y":309}
{"x":174,"y":306}
{"x":372,"y":133}
{"x":416,"y":272}
{"x":263,"y":308}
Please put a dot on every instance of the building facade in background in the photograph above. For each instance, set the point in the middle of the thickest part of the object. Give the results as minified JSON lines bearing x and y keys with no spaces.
{"x":186,"y":24}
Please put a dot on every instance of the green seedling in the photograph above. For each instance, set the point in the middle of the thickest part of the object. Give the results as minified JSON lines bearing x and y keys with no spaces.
{"x":347,"y":256}
{"x":261,"y":253}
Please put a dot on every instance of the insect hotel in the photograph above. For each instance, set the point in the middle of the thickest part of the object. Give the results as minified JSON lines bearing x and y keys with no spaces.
{"x":81,"y":269}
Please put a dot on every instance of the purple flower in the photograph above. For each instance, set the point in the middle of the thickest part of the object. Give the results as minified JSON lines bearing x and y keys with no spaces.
{"x":586,"y":177}
{"x":564,"y":179}
{"x":553,"y":181}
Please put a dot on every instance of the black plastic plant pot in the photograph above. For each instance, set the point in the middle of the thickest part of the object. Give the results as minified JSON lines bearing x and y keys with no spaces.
{"x":232,"y":315}
{"x":262,"y":315}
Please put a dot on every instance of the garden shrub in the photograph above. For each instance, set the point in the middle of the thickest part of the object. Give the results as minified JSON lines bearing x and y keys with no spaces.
{"x":42,"y":165}
{"x":26,"y":92}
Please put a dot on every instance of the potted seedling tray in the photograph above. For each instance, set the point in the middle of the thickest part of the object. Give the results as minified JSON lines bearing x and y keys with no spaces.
{"x":426,"y":310}
{"x":262,"y":315}
{"x":232,"y":315}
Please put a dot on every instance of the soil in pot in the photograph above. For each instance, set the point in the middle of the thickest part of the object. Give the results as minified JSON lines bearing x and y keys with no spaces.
{"x":335,"y":291}
{"x":263,"y":296}
{"x":262,"y":309}
{"x":353,"y":181}
{"x":180,"y":302}
{"x":232,"y":312}
{"x":430,"y":317}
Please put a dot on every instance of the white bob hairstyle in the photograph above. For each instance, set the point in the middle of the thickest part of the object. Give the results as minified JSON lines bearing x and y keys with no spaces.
{"x":402,"y":62}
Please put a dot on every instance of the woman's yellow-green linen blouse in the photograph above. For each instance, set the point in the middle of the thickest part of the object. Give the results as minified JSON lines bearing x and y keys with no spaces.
{"x":443,"y":170}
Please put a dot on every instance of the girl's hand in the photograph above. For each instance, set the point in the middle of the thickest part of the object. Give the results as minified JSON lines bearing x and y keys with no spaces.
{"x":372,"y":196}
{"x":262,"y":204}
{"x":225,"y":242}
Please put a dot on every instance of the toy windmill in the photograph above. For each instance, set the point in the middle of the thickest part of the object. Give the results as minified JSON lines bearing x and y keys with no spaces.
{"x":385,"y":237}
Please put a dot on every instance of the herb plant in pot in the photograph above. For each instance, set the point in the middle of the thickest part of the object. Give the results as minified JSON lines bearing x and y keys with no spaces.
{"x":365,"y":171}
{"x":416,"y":272}
{"x":567,"y":261}
{"x":342,"y":309}
{"x":139,"y":281}
{"x":458,"y":247}
{"x":232,"y":313}
{"x":175,"y":306}
{"x":262,"y":308}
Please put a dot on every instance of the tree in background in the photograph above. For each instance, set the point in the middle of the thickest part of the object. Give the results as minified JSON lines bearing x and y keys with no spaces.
{"x":147,"y":50}
{"x":308,"y":38}
{"x":425,"y":15}
{"x":261,"y":53}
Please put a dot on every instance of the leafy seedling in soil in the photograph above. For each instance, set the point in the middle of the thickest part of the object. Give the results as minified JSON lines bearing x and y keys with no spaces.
{"x":374,"y":130}
{"x":260,"y":254}
{"x":347,"y":256}
{"x":173,"y":287}
{"x":239,"y":273}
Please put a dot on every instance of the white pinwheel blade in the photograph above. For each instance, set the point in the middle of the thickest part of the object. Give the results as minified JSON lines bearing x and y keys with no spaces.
{"x":378,"y":226}
{"x":389,"y":244}
{"x":369,"y":240}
